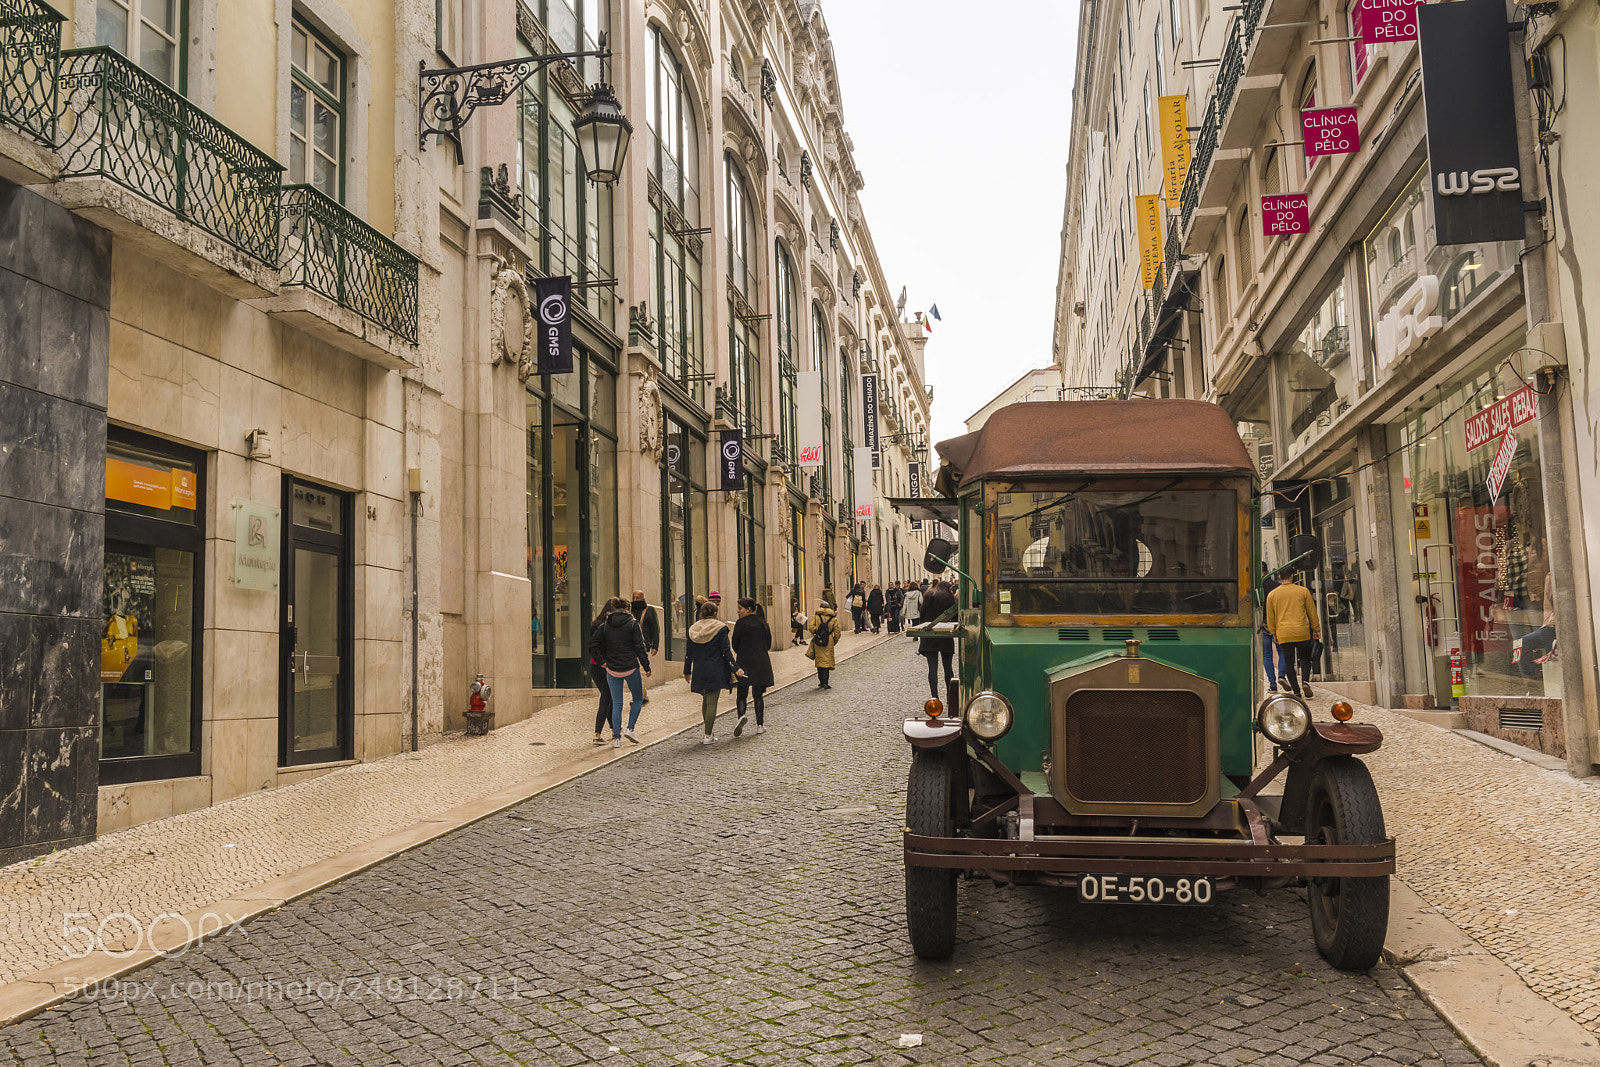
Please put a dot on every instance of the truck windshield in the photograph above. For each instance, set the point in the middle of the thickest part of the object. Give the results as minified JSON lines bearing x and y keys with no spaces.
{"x":1085,"y":551}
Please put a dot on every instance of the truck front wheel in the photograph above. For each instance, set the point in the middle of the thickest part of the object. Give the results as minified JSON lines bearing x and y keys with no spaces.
{"x":1349,"y":916}
{"x":930,"y":891}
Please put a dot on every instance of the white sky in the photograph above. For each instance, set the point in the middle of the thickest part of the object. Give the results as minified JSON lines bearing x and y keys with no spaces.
{"x":960,"y":118}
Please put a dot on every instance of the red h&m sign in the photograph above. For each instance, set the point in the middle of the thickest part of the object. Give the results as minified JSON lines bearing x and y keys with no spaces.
{"x":1501,"y":417}
{"x":1330,"y":131}
{"x":1381,"y":21}
{"x":1285,"y":213}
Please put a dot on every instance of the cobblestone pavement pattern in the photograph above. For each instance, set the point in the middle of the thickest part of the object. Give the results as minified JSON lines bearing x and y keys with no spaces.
{"x":1502,"y":848}
{"x":125,"y":880}
{"x":738,"y":903}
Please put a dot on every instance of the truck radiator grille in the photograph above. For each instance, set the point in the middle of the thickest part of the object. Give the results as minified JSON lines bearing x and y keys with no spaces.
{"x":1136,"y":747}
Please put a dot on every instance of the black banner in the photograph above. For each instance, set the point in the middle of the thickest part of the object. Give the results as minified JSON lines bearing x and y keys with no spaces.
{"x":869,"y":410}
{"x":552,"y":307}
{"x":730,"y":461}
{"x":1473,"y":163}
{"x":914,"y":484}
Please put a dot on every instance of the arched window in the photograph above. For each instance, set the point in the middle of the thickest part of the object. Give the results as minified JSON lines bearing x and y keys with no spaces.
{"x":819,"y":352}
{"x":783,"y":312}
{"x":1242,"y":253}
{"x":675,"y":250}
{"x":744,"y":365}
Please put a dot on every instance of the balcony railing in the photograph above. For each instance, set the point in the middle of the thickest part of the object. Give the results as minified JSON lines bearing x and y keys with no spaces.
{"x":329,"y":250}
{"x":1240,"y":36}
{"x":30,"y":62}
{"x":119,"y":122}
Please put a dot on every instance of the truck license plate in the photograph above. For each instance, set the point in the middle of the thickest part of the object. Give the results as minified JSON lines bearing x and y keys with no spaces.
{"x":1144,"y":889}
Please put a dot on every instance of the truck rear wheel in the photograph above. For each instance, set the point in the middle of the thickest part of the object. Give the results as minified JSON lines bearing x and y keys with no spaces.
{"x":930,"y":891}
{"x":1349,"y":916}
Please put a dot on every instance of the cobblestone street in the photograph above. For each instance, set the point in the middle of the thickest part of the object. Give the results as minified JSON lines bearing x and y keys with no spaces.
{"x":736,"y":903}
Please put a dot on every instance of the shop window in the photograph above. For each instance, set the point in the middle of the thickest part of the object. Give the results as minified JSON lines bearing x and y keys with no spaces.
{"x":1415,"y":286}
{"x":1361,"y":55}
{"x":150,"y":648}
{"x":1315,"y":372}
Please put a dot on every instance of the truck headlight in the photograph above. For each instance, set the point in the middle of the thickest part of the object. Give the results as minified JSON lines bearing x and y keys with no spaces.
{"x":988,"y":715}
{"x":1283,"y":719}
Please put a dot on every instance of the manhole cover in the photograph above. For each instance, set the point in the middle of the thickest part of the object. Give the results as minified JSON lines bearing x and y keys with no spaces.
{"x":866,"y":809}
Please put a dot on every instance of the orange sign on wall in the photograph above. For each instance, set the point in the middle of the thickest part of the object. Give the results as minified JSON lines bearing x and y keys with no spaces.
{"x":1149,"y":210}
{"x":149,"y":487}
{"x":1174,"y":147}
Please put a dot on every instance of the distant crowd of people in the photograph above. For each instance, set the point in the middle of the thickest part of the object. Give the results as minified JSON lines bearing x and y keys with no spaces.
{"x":719,"y":656}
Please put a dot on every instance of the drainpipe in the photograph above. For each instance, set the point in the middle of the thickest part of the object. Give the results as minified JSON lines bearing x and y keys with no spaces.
{"x":414,"y":492}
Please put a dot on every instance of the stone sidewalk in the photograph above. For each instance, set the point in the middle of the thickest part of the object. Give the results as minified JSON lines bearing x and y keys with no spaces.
{"x":1504,"y":849}
{"x":142,"y":884}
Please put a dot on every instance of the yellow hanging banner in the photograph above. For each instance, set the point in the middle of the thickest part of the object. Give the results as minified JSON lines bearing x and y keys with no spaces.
{"x":1174,"y":112}
{"x":1149,"y":210}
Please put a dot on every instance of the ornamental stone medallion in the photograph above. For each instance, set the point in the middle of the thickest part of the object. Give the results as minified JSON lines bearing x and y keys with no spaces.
{"x":649,"y":415}
{"x":510,"y":325}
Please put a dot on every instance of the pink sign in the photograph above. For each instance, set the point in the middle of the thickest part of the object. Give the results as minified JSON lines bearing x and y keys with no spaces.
{"x":1330,"y":131}
{"x":1382,"y":21}
{"x":1284,"y":214}
{"x":1501,"y":417}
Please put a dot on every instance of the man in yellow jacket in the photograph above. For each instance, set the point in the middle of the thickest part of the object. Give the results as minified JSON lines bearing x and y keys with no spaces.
{"x":1292,"y":621}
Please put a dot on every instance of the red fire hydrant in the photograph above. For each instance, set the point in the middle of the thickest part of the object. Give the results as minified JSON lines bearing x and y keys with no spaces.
{"x":479,"y":717}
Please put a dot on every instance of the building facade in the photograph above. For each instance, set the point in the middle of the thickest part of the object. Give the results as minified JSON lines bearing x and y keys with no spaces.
{"x":274,"y":425}
{"x":1356,"y":351}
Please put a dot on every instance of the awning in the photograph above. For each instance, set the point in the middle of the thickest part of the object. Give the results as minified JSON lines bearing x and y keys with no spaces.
{"x":930,"y":508}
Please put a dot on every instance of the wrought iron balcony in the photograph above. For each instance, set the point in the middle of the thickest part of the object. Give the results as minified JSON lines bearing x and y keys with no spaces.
{"x":1240,"y":37}
{"x":120,"y":123}
{"x":30,"y":62}
{"x":327,"y":249}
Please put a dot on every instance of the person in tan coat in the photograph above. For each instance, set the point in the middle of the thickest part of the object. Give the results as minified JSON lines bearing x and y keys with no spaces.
{"x":825,"y":633}
{"x":1293,"y":623}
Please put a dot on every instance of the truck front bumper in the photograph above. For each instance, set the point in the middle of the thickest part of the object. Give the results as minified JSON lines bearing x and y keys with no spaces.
{"x":1165,"y":855}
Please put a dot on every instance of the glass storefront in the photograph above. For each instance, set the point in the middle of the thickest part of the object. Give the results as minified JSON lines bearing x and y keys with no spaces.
{"x":1480,"y":617}
{"x":1316,"y":384}
{"x":1336,"y":584}
{"x":572,"y":513}
{"x":149,"y":649}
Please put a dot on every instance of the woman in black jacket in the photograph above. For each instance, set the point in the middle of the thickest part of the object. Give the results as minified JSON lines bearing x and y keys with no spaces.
{"x":708,"y":664}
{"x":597,"y":673}
{"x":752,"y":647}
{"x":618,"y":644}
{"x":875,"y":607}
{"x":934,"y":604}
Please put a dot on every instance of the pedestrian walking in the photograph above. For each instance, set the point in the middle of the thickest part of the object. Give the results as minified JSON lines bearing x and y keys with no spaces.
{"x":894,"y":600}
{"x":858,"y":607}
{"x":1294,"y":625}
{"x":597,"y":674}
{"x":645,"y":614}
{"x":1275,"y":659}
{"x":875,"y":603}
{"x":752,"y":649}
{"x":938,"y":601}
{"x":708,"y":664}
{"x":619,"y":645}
{"x":912,"y":606}
{"x":825,"y":635}
{"x":797,"y":623}
{"x":827,"y":596}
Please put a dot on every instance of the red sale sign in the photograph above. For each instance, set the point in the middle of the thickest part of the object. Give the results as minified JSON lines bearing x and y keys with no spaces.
{"x":1284,"y":214}
{"x":1382,"y":21}
{"x":1501,"y":417}
{"x":1330,"y":131}
{"x":1477,"y":574}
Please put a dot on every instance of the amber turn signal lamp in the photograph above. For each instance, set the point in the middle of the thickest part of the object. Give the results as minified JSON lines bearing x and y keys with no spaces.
{"x":1342,"y":711}
{"x":933,"y":708}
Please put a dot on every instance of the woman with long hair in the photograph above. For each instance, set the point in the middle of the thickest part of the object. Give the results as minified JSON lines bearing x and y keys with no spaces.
{"x":597,"y":674}
{"x":752,"y":647}
{"x":618,"y":643}
{"x":938,"y":601}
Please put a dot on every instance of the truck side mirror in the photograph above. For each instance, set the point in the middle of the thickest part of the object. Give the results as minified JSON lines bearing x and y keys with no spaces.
{"x":1304,"y":544}
{"x":937,"y":558}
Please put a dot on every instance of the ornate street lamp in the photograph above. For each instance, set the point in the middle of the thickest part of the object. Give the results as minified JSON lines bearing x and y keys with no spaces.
{"x":449,"y":96}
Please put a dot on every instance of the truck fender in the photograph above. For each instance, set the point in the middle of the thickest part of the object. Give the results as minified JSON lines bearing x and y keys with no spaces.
{"x":932,"y":733}
{"x":1322,"y":740}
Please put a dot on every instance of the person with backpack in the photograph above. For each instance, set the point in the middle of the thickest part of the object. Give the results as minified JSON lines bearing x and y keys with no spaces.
{"x":824,"y":637}
{"x":597,"y":674}
{"x":858,"y":607}
{"x":618,"y":643}
{"x":894,"y":600}
{"x":708,"y":664}
{"x":752,"y":648}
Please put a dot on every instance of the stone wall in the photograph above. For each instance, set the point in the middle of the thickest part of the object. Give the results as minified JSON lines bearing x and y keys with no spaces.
{"x":55,"y":290}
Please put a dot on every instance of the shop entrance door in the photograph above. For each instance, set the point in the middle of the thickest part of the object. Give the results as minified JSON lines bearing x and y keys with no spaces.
{"x":571,"y":610}
{"x":316,"y":686}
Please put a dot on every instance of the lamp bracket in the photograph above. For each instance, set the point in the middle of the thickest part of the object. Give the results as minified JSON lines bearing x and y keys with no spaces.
{"x":450,"y":95}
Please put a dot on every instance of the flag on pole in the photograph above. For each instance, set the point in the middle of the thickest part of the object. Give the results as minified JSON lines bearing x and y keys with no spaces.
{"x":934,"y":311}
{"x":927,"y":323}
